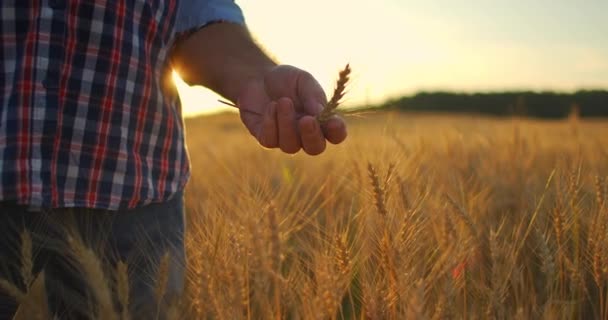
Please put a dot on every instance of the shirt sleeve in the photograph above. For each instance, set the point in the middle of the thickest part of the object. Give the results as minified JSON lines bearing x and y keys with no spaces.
{"x":192,"y":14}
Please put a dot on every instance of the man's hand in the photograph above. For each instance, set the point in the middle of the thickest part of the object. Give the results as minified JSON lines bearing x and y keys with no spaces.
{"x":278,"y":103}
{"x":280,"y":110}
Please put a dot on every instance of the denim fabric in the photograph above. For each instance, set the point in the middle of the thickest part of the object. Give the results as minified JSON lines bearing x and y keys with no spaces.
{"x":192,"y":14}
{"x":140,"y":237}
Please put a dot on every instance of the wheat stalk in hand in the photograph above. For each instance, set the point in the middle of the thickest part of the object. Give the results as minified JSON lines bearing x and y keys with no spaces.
{"x":329,"y":110}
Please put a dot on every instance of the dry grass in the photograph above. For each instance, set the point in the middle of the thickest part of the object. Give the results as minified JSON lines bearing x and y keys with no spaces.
{"x":424,"y":217}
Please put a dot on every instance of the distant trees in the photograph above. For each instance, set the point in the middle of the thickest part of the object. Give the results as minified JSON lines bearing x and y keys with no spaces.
{"x":592,"y":103}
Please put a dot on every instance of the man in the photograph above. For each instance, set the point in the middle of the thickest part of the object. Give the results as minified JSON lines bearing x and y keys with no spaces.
{"x":91,"y":129}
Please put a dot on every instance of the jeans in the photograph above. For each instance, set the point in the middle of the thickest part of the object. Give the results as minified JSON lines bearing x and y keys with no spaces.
{"x":139,"y":237}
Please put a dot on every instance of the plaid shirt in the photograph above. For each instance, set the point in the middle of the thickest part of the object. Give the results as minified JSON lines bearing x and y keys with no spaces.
{"x":89,"y":116}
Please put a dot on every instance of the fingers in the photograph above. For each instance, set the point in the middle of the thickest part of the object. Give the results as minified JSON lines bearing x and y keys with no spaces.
{"x":335,"y":130}
{"x":280,"y":128}
{"x":312,"y":97}
{"x":313,"y":141}
{"x":289,"y":139}
{"x":268,"y":136}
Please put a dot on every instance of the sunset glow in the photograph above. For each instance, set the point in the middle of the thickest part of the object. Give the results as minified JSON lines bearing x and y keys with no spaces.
{"x":399,"y":47}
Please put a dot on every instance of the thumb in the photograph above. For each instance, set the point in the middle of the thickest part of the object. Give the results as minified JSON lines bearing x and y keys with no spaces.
{"x":310,"y":93}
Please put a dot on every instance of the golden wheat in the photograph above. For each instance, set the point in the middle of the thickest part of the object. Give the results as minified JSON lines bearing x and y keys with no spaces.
{"x":27,"y":264}
{"x":93,"y":273}
{"x":122,"y":289}
{"x":522,"y":234}
{"x":329,"y":110}
{"x":378,"y":190}
{"x":34,"y":305}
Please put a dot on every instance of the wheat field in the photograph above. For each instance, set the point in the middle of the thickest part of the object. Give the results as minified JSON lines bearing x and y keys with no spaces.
{"x":413,"y":217}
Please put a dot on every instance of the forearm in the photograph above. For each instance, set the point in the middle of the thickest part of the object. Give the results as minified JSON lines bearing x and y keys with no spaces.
{"x":222,"y":57}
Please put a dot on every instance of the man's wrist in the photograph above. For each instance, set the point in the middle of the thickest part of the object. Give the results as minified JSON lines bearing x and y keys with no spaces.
{"x":245,"y":74}
{"x":222,"y":57}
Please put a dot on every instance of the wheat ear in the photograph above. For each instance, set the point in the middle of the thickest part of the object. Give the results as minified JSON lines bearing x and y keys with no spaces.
{"x":26,"y":259}
{"x":162,"y":278}
{"x":34,"y":305}
{"x":122,"y":289}
{"x":12,"y":290}
{"x":93,"y":272}
{"x":599,"y":194}
{"x":378,"y":190}
{"x":342,"y":257}
{"x":329,"y":110}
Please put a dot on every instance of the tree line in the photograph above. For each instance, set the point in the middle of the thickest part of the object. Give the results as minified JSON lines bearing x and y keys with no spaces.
{"x":590,"y":103}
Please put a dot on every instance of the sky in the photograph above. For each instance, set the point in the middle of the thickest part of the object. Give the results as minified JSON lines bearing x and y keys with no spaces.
{"x":399,"y":47}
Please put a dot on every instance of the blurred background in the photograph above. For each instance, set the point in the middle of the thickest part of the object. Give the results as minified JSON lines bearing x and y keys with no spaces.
{"x":399,"y":48}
